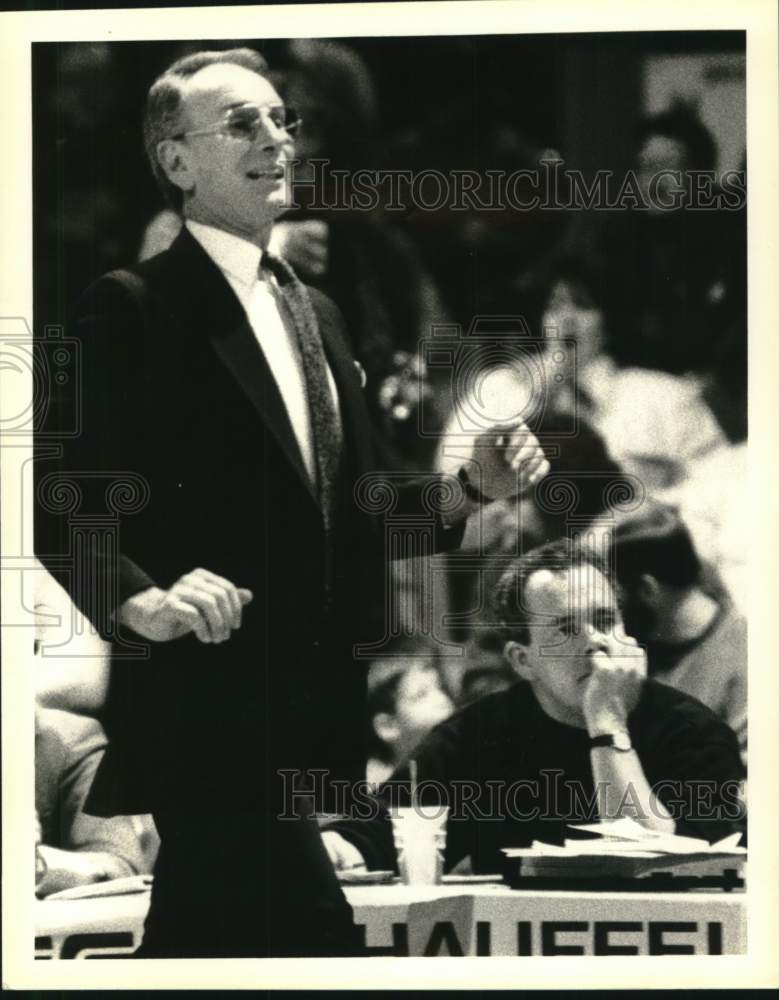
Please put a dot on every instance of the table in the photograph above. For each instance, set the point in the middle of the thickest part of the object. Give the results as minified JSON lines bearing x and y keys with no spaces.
{"x":454,"y":920}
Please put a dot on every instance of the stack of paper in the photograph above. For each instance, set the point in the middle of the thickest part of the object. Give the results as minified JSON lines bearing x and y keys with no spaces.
{"x":625,"y":849}
{"x":115,"y":887}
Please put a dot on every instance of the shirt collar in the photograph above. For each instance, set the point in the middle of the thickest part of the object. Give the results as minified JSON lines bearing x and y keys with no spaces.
{"x":233,"y":255}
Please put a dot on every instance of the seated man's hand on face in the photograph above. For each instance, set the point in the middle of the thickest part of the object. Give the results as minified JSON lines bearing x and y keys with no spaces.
{"x":199,"y":602}
{"x":342,"y":854}
{"x":506,"y":461}
{"x":612,"y":691}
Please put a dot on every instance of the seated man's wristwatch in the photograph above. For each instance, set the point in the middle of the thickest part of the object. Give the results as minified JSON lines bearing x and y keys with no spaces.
{"x":618,"y":741}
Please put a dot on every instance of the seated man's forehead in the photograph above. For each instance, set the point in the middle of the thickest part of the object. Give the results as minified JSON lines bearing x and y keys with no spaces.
{"x":573,"y":588}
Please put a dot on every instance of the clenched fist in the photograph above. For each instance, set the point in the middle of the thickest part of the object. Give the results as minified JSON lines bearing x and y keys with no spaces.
{"x":614,"y":686}
{"x":505,"y":461}
{"x":199,"y":602}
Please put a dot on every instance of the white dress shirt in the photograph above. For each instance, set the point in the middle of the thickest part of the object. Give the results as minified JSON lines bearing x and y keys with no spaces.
{"x":239,"y":261}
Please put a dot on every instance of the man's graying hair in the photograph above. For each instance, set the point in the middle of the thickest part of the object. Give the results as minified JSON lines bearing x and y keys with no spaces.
{"x":559,"y":556}
{"x":162,"y":117}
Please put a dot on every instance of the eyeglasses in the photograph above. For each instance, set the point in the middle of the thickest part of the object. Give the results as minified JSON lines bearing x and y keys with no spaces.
{"x":246,"y":121}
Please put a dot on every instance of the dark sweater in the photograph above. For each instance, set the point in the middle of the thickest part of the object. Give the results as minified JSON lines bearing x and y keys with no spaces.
{"x":511,"y":774}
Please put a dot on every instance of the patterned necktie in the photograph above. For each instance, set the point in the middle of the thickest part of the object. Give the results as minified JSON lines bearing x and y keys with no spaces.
{"x":325,"y":423}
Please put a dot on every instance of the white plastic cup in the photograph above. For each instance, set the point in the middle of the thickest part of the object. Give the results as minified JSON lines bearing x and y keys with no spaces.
{"x":419,"y":833}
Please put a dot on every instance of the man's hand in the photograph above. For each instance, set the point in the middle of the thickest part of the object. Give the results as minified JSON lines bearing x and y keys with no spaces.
{"x":506,"y":461}
{"x":66,"y":869}
{"x":199,"y":602}
{"x":342,"y":854}
{"x":304,"y":244}
{"x":614,"y":686}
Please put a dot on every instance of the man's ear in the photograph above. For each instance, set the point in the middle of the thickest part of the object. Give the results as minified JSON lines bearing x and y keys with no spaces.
{"x":386,"y":728}
{"x":517,"y":658}
{"x":174,"y":161}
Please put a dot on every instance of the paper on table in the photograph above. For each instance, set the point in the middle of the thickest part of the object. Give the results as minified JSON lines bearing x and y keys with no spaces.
{"x":622,"y":831}
{"x":727,"y":842}
{"x":592,"y":848}
{"x":470,"y":879}
{"x":626,"y":864}
{"x":625,"y":829}
{"x":623,"y":849}
{"x":114,"y":887}
{"x":607,"y":846}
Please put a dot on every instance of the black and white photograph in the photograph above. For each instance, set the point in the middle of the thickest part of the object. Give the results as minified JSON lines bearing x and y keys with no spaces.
{"x":388,"y":557}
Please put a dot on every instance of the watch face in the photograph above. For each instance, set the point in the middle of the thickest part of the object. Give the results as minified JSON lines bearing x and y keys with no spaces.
{"x":622,"y":741}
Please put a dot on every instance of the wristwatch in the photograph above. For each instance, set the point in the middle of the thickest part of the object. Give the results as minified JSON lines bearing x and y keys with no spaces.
{"x":470,"y":490}
{"x":618,"y":741}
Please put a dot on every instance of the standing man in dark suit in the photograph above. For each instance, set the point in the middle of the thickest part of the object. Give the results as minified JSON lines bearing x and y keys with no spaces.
{"x":242,"y":556}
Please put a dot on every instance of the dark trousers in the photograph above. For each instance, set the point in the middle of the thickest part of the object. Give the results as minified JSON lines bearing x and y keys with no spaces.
{"x":245,"y":885}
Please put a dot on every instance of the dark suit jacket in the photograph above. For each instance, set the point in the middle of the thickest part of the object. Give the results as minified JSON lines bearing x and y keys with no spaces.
{"x":175,"y":390}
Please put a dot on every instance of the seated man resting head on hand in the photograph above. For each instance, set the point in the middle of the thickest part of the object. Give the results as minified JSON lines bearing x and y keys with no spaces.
{"x":583,"y":736}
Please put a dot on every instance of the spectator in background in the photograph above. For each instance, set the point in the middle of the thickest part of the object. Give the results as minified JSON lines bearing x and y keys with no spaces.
{"x":481,"y":258}
{"x":485,"y":671}
{"x":74,"y":678}
{"x":714,"y":499}
{"x":655,"y":425}
{"x":74,"y":675}
{"x":649,"y":424}
{"x":714,"y":503}
{"x":676,"y":270}
{"x":696,"y":640}
{"x":405,"y":700}
{"x":76,"y":848}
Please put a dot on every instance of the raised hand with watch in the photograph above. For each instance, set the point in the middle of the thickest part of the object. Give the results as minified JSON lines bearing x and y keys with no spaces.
{"x":505,"y":461}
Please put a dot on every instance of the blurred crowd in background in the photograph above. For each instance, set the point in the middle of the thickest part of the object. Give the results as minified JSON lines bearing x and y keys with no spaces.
{"x":634,"y":318}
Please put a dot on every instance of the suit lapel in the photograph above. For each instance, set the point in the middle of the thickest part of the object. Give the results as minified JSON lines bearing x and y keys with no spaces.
{"x":354,"y":416}
{"x":240,"y":354}
{"x":211,"y":306}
